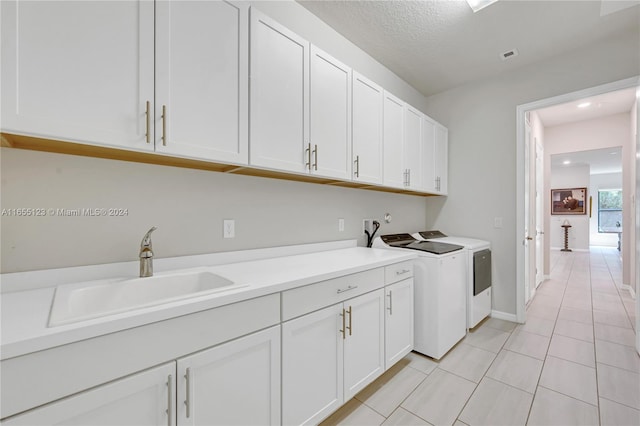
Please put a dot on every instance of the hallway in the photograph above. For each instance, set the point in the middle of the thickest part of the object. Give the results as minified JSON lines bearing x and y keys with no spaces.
{"x":572,"y":363}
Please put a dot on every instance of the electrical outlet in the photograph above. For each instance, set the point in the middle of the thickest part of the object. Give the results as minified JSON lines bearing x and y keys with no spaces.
{"x":367,"y":225}
{"x":229,"y":228}
{"x":497,"y":222}
{"x":340,"y":225}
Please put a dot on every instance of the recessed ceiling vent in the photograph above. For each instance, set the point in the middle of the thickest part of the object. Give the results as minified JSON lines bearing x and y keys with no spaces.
{"x":509,"y":54}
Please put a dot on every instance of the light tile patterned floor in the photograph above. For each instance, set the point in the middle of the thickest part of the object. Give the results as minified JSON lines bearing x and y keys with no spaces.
{"x":572,"y":363}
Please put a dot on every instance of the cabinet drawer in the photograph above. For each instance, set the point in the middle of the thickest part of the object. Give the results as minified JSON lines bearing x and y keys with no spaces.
{"x":398,"y":272}
{"x":302,"y":300}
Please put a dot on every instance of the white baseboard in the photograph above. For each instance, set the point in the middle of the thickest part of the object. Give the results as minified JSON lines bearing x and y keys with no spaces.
{"x":503,"y":316}
{"x":629,"y":289}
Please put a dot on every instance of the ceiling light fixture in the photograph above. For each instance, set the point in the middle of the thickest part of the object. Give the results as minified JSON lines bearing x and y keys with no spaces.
{"x":477,"y":5}
{"x":584,"y":104}
{"x":565,"y":162}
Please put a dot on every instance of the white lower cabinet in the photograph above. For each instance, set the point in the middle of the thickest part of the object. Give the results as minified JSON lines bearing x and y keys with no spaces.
{"x":146,"y":398}
{"x":237,"y":383}
{"x":330,"y":355}
{"x":398,"y":321}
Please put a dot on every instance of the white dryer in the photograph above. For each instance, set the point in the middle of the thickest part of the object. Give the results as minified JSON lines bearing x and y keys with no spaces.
{"x":439,"y":275}
{"x":478,"y":272}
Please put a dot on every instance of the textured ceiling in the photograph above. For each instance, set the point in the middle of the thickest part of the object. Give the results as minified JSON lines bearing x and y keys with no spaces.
{"x":436,"y":45}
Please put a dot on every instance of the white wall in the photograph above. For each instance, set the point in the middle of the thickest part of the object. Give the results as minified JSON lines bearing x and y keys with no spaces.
{"x":481,"y":118}
{"x":188,"y":206}
{"x":602,"y":181}
{"x":569,"y":177}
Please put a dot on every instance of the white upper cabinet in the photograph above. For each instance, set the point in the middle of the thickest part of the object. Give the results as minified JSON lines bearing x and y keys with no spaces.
{"x":429,"y":180}
{"x":329,"y":152}
{"x":412,"y":148}
{"x":394,"y":172}
{"x":367,"y":124}
{"x":202,"y":80}
{"x":78,"y":71}
{"x":279,"y":81}
{"x":442,"y":159}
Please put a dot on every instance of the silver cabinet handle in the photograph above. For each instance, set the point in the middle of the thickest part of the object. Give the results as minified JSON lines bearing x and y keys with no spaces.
{"x":343,"y":330}
{"x":170,"y":399}
{"x":349,"y":288}
{"x":404,"y":271}
{"x":350,"y":320}
{"x":315,"y":156}
{"x":164,"y":125}
{"x":390,"y":308}
{"x":357,"y":162}
{"x":307,"y":154}
{"x":148,"y":122}
{"x":187,"y":402}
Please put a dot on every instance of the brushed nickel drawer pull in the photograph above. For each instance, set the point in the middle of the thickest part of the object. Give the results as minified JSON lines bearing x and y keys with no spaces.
{"x":349,"y":288}
{"x":187,"y":402}
{"x":148,"y":122}
{"x":404,"y":271}
{"x":170,"y":398}
{"x":164,"y":125}
{"x":390,"y":308}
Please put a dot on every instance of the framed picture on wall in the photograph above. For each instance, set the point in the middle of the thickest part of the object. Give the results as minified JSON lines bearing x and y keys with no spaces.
{"x":569,"y":201}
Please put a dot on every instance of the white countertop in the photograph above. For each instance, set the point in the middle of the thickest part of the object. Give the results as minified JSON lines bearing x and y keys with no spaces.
{"x":25,"y":314}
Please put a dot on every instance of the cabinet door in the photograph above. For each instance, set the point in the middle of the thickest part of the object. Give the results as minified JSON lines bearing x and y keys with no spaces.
{"x":442,"y":158}
{"x":279,"y":96}
{"x":312,"y":386}
{"x":146,"y":398}
{"x":394,"y":173}
{"x":78,"y":71}
{"x":330,"y":120}
{"x":237,"y":383}
{"x":367,"y":130}
{"x":412,"y":148}
{"x":202,"y":79}
{"x":398,"y":321}
{"x":428,"y":136}
{"x":364,"y":343}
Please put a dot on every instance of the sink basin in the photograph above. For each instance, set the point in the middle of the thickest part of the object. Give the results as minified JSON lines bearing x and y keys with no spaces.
{"x":82,"y":301}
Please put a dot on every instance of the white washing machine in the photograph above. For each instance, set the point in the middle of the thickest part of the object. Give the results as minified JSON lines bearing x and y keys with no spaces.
{"x":439,"y":276}
{"x":478,"y":272}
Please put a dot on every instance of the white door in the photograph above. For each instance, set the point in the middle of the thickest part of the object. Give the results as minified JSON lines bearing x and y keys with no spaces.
{"x":330,"y":117}
{"x":364,"y":343}
{"x":442,"y":159}
{"x":202,"y":80}
{"x":393,"y":131}
{"x":539,"y":215}
{"x":529,"y":187}
{"x":237,"y":383}
{"x":367,"y":130}
{"x":78,"y":71}
{"x":312,"y":364}
{"x":279,"y":95}
{"x":398,"y":321}
{"x":428,"y":136}
{"x":412,"y":151}
{"x":146,"y":398}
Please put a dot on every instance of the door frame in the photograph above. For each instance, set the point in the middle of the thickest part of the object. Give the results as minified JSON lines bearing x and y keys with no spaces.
{"x":521,"y":110}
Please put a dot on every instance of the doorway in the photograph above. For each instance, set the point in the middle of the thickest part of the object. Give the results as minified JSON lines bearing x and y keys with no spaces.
{"x":526,"y":203}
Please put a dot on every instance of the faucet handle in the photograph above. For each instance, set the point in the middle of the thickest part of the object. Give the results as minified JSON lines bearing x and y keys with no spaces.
{"x":146,"y":240}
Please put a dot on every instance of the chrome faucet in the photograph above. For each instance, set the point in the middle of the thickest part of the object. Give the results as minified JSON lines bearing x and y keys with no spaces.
{"x":146,"y":255}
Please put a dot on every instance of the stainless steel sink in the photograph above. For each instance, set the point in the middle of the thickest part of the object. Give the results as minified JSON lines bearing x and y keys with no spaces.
{"x":83,"y":301}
